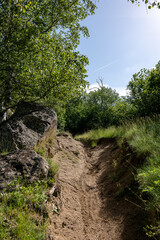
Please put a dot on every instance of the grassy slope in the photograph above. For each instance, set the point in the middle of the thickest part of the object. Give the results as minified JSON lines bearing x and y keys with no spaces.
{"x":143,"y":137}
{"x":23,"y":213}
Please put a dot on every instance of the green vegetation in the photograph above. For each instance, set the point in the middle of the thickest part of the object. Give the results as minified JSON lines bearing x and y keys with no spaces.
{"x":143,"y":139}
{"x":97,"y":109}
{"x":143,"y":135}
{"x":150,"y":4}
{"x":145,"y":91}
{"x":92,"y":137}
{"x":43,"y":148}
{"x":38,"y":54}
{"x":23,"y":212}
{"x":91,"y":110}
{"x":39,"y":61}
{"x":103,"y":107}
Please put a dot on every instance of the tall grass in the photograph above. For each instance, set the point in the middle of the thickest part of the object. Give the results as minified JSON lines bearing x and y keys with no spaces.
{"x":92,"y":137}
{"x":23,"y":213}
{"x":143,"y":136}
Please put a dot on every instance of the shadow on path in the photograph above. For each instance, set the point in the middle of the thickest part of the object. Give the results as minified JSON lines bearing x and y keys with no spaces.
{"x":129,"y":216}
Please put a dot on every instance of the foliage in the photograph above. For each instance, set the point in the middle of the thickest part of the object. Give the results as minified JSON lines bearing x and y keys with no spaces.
{"x":150,"y":4}
{"x":145,"y":91}
{"x":143,"y":138}
{"x":143,"y":134}
{"x":43,"y":148}
{"x":92,"y":137}
{"x":76,"y":111}
{"x":100,"y":104}
{"x":22,"y":213}
{"x":38,"y":54}
{"x":91,"y":110}
{"x":123,"y":110}
{"x":103,"y":107}
{"x":59,"y":107}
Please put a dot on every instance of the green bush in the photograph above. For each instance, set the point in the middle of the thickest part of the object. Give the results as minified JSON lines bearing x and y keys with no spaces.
{"x":23,"y":213}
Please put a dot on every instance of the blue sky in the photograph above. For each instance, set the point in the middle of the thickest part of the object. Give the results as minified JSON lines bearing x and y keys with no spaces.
{"x":124,"y":38}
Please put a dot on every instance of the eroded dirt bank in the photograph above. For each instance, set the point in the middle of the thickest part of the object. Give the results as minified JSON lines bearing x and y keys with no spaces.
{"x":85,"y":205}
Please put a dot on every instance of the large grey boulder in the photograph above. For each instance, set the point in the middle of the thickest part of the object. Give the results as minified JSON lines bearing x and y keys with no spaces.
{"x":26,"y":126}
{"x":22,"y":164}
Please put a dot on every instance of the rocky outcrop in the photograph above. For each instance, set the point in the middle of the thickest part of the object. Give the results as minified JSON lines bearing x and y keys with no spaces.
{"x":22,"y":164}
{"x":26,"y":126}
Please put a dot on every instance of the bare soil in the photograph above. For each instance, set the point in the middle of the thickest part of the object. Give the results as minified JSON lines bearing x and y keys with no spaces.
{"x":85,"y":204}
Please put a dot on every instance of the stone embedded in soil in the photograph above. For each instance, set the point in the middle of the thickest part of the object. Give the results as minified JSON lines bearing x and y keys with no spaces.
{"x":22,"y":164}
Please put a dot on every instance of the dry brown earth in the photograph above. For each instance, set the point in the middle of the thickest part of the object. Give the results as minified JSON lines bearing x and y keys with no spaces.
{"x":85,"y":205}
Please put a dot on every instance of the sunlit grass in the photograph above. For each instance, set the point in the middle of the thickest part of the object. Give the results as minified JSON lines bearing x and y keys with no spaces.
{"x":23,"y":212}
{"x":92,"y":137}
{"x":143,"y":136}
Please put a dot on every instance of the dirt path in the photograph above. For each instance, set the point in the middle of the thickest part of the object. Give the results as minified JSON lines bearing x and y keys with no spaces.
{"x":85,"y":205}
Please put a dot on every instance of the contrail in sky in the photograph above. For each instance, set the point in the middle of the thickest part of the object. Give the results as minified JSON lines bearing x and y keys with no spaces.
{"x":105,"y":66}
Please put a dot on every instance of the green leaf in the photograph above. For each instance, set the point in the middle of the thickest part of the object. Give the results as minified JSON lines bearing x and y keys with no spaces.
{"x":40,"y":58}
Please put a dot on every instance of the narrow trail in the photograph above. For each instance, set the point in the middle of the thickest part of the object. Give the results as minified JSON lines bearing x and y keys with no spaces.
{"x":84,"y":205}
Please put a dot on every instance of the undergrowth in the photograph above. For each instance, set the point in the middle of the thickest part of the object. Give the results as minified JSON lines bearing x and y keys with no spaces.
{"x":92,"y":137}
{"x":23,"y":213}
{"x":143,"y":137}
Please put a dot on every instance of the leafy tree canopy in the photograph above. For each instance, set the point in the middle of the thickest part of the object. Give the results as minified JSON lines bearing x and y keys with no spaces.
{"x":145,"y":91}
{"x":38,"y":41}
{"x":150,"y":3}
{"x":91,"y":110}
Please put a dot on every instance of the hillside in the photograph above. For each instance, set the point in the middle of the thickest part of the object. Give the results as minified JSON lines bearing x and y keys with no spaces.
{"x":86,"y":203}
{"x":85,"y":192}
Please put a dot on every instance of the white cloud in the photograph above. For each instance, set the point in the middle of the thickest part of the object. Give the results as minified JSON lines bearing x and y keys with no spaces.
{"x":94,"y":87}
{"x":121,"y":90}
